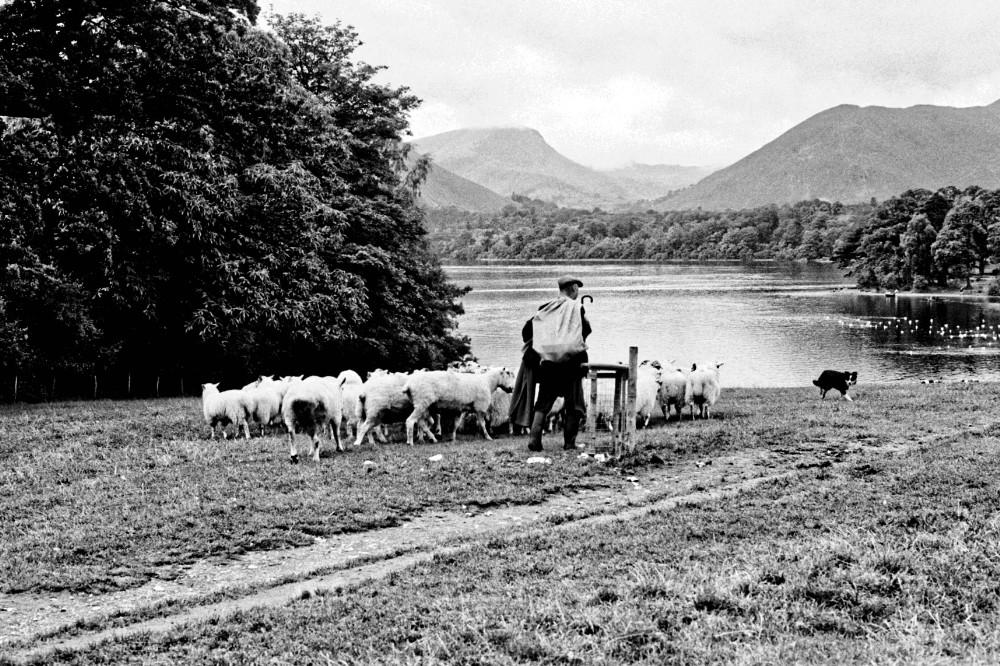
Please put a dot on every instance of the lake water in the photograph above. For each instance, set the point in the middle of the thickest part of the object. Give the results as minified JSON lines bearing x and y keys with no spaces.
{"x":771,"y":325}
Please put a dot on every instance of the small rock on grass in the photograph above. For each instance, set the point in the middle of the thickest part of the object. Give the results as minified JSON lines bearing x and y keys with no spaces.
{"x":538,"y":460}
{"x":436,"y":458}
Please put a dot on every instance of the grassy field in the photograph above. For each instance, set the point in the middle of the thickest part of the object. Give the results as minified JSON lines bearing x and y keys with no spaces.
{"x":886,"y":558}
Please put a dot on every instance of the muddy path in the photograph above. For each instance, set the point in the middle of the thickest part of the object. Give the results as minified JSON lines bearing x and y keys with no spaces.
{"x":32,"y":624}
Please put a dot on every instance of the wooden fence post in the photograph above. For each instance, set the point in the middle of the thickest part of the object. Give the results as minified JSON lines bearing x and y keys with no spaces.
{"x":592,"y":411}
{"x":633,"y":371}
{"x":95,"y":387}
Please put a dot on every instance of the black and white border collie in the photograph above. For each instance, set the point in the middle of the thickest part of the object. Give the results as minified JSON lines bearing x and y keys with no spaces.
{"x":832,"y":379}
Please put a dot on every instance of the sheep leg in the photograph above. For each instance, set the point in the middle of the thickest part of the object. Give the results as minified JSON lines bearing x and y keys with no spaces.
{"x":419,"y":412}
{"x":364,"y":429}
{"x":315,"y":438}
{"x":336,"y":436}
{"x":482,"y":426}
{"x":246,"y":430}
{"x":380,"y":434}
{"x":293,"y":456}
{"x":848,"y":398}
{"x":425,"y":431}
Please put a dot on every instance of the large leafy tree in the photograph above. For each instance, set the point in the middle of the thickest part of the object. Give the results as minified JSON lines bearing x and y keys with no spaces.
{"x":879,"y":257}
{"x":196,"y":197}
{"x":962,"y":244}
{"x":917,"y":242}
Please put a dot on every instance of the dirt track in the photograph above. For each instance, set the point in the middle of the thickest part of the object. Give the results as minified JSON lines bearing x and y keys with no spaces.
{"x":261,"y":578}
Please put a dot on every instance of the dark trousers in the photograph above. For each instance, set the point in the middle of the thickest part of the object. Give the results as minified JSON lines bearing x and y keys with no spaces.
{"x":560,"y":379}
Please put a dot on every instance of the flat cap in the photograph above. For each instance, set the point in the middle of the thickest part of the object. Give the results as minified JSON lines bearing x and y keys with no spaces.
{"x":567,"y":280}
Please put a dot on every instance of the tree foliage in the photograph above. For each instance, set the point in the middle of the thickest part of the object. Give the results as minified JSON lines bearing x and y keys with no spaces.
{"x":535,"y":230}
{"x":917,"y":239}
{"x":180,"y":189}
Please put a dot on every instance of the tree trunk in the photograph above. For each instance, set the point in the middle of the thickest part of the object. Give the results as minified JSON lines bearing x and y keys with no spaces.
{"x":15,"y":388}
{"x":95,"y":387}
{"x":157,"y":386}
{"x":128,"y":387}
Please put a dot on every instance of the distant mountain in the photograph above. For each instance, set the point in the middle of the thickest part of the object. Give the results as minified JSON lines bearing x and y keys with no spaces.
{"x":519,"y":161}
{"x":442,"y":188}
{"x":653,"y":181}
{"x":851,"y":154}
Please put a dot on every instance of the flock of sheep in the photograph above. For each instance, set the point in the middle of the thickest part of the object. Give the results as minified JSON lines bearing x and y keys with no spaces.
{"x":315,"y":405}
{"x":480,"y":394}
{"x":672,"y":387}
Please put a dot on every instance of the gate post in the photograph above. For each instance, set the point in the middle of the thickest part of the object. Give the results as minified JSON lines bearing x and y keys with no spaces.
{"x":633,"y":371}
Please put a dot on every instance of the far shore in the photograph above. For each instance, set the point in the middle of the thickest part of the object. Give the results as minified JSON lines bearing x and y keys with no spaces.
{"x":976,"y":292}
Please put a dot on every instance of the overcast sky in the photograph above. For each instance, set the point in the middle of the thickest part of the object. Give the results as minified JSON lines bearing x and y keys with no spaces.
{"x":700,"y":82}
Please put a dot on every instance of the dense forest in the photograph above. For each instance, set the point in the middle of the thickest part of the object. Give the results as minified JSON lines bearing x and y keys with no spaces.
{"x":529,"y":229}
{"x":185,"y":195}
{"x":918,"y":240}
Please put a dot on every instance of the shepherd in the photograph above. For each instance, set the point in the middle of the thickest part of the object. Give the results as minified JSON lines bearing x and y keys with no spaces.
{"x":554,"y":352}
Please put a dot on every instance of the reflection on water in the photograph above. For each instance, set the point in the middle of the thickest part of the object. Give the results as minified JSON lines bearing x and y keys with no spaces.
{"x":770,"y":326}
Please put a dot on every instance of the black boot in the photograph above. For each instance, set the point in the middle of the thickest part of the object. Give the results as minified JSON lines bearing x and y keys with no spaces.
{"x":570,"y":429}
{"x":535,"y":435}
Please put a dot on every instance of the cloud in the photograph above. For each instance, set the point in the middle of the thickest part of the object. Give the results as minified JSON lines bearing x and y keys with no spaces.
{"x":707,"y":82}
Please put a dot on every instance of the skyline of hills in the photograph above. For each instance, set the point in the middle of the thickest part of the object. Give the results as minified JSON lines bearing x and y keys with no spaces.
{"x":846,"y":153}
{"x":851,"y":154}
{"x":519,"y":161}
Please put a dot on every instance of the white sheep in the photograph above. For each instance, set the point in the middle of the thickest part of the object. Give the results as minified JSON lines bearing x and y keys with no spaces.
{"x":497,"y":416}
{"x":673,"y":390}
{"x":455,"y":391}
{"x":349,"y":378}
{"x":265,"y":405}
{"x":264,"y":397}
{"x":311,"y":405}
{"x":383,"y":400}
{"x":254,"y":384}
{"x":225,"y":408}
{"x":647,"y":386}
{"x":349,"y":401}
{"x":703,"y":388}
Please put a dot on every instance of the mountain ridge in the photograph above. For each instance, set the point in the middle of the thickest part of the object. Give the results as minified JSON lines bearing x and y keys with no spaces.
{"x":518,"y":160}
{"x":852,"y":153}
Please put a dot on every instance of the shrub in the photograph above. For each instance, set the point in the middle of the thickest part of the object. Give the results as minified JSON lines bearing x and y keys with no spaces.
{"x":993,"y":289}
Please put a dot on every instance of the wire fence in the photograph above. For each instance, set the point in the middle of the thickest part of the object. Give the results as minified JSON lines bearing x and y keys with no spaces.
{"x":67,"y":385}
